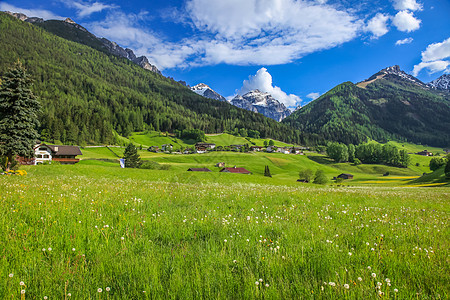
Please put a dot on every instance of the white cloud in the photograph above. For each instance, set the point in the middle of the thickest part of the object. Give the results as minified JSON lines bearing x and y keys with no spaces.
{"x":405,"y":21}
{"x":404,"y":41}
{"x":85,"y":9}
{"x":41,"y":13}
{"x":407,"y":4}
{"x":262,"y":81}
{"x":313,"y":96}
{"x":435,"y":58}
{"x":378,"y":25}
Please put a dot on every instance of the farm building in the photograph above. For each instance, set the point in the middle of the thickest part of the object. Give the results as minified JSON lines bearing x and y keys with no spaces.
{"x":62,"y":154}
{"x":345,"y":176}
{"x":199,"y":170}
{"x":302,"y":180}
{"x":153,"y":149}
{"x":236,"y":170}
{"x":205,"y":146}
{"x":166,"y":147}
{"x":424,"y":153}
{"x":256,"y":148}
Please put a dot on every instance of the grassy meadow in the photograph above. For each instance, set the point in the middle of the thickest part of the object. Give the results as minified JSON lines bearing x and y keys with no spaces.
{"x":96,"y":231}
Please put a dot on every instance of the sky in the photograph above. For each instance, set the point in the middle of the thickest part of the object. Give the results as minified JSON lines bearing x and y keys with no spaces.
{"x":295,"y":50}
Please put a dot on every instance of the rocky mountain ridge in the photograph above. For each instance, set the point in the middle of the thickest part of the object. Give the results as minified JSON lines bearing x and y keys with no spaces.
{"x":441,"y":83}
{"x":85,"y":37}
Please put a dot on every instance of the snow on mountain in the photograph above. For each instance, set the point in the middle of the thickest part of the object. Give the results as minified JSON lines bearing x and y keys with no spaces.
{"x":207,"y":92}
{"x":262,"y":103}
{"x":441,"y":83}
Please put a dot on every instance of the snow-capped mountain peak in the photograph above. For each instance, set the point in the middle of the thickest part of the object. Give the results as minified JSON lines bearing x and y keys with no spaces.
{"x":262,"y":103}
{"x":395,"y":70}
{"x":207,"y":92}
{"x":441,"y":83}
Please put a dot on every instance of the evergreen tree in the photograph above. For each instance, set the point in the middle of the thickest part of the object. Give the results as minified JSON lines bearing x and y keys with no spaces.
{"x":320,"y":177}
{"x":447,"y":169}
{"x":267,"y":172}
{"x":132,"y":158}
{"x":18,"y":115}
{"x":436,"y":163}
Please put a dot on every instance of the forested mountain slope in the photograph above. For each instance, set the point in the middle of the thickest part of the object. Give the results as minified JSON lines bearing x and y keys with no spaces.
{"x":389,"y":105}
{"x":85,"y":93}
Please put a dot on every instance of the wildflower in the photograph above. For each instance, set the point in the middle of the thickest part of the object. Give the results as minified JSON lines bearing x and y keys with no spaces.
{"x":283,"y":257}
{"x":11,"y":275}
{"x":73,"y":249}
{"x":49,"y":249}
{"x":346,"y":286}
{"x":374,"y":275}
{"x":380,"y":293}
{"x":332,"y":283}
{"x":395,"y":290}
{"x":379,"y":284}
{"x":257,"y":282}
{"x":369,"y":268}
{"x":122,"y":238}
{"x":225,"y":241}
{"x":235,"y":261}
{"x":99,"y":290}
{"x":260,"y":280}
{"x":108,"y":289}
{"x":21,"y":283}
{"x":248,"y":240}
{"x":359,"y":279}
{"x":22,"y":292}
{"x":350,"y":254}
{"x":267,"y":285}
{"x":45,"y":297}
{"x":43,"y":249}
{"x":69,"y":295}
{"x":388,"y":280}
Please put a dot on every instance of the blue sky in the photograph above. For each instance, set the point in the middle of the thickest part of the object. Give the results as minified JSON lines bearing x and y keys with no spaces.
{"x":296,"y":50}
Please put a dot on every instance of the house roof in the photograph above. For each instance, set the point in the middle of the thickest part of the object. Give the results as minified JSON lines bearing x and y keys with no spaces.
{"x":236,"y":170}
{"x":199,"y":170}
{"x":345,"y":174}
{"x":205,"y":144}
{"x":64,"y":150}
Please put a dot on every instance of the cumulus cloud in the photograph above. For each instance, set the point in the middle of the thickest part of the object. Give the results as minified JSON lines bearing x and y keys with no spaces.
{"x":407,"y":5}
{"x":85,"y":9}
{"x":405,"y":21}
{"x":262,"y":81}
{"x":378,"y":25}
{"x":404,"y":41}
{"x":41,"y":13}
{"x":435,"y":58}
{"x":313,"y":96}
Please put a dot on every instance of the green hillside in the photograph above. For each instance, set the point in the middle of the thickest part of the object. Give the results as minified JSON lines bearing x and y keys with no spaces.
{"x":389,"y":108}
{"x":86,"y":93}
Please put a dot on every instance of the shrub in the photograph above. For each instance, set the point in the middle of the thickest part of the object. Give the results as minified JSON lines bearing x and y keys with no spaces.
{"x":320,"y":177}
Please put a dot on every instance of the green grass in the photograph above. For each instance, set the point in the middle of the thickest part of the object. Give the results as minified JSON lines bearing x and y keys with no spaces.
{"x":182,"y":235}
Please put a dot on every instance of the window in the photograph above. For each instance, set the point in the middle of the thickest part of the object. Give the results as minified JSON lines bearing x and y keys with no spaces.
{"x":42,"y":149}
{"x":39,"y":156}
{"x":46,"y":156}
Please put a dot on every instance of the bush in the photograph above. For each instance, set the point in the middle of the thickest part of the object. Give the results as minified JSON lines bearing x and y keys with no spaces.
{"x":150,"y":165}
{"x":356,"y":162}
{"x":436,"y":163}
{"x":320,"y":177}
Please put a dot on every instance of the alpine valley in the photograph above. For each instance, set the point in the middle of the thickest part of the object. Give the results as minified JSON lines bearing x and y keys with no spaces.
{"x":93,"y":90}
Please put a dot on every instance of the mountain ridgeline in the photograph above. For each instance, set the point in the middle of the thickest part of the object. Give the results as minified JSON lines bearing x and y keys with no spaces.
{"x":390,"y":105}
{"x":88,"y":94}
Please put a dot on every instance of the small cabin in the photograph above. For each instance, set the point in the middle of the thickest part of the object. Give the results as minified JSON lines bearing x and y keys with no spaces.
{"x":153,"y":149}
{"x":256,"y":148}
{"x":60,"y":153}
{"x":345,"y":176}
{"x":235,"y":170}
{"x":425,"y":153}
{"x":199,"y":170}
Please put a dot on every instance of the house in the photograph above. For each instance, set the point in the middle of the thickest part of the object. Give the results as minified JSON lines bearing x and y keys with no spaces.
{"x":424,"y":153}
{"x":256,"y":148}
{"x":62,"y":154}
{"x":345,"y":176}
{"x":166,"y":147}
{"x":235,"y":170}
{"x":153,"y":149}
{"x":199,"y":170}
{"x":220,"y":165}
{"x":205,"y":146}
{"x":302,"y":180}
{"x":284,"y":150}
{"x":271,"y":149}
{"x":236,"y":147}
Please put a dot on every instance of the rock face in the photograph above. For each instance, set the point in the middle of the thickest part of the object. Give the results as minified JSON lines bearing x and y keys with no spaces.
{"x":67,"y":29}
{"x":262,"y":103}
{"x":442,"y":83}
{"x":205,"y":91}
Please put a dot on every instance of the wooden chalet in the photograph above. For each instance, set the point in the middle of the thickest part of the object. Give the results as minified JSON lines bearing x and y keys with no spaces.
{"x":204,"y":146}
{"x":61,"y":153}
{"x":199,"y":170}
{"x":236,"y":170}
{"x":153,"y":149}
{"x":345,"y":176}
{"x":256,"y":148}
{"x":425,"y":153}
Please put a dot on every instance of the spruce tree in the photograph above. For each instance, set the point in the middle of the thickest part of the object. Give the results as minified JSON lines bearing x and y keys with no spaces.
{"x":18,"y":116}
{"x":267,"y":172}
{"x":132,"y":158}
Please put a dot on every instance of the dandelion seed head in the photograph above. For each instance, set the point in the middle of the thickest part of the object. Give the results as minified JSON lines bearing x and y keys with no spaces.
{"x":99,"y":290}
{"x":257,"y":282}
{"x":267,"y":285}
{"x":374,"y":275}
{"x":346,"y":286}
{"x":22,"y":292}
{"x":11,"y":275}
{"x":108,"y":289}
{"x":22,"y":283}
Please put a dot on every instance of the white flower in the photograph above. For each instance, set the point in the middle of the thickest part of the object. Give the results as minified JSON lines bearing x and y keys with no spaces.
{"x":22,"y":292}
{"x":387,"y":280}
{"x":260,"y":280}
{"x":248,"y":240}
{"x":374,"y":275}
{"x":350,"y":254}
{"x":45,"y":297}
{"x":257,"y":282}
{"x":379,"y":284}
{"x":73,"y":249}
{"x":43,"y":249}
{"x":369,"y":268}
{"x":332,"y":283}
{"x":22,"y":283}
{"x":346,"y":286}
{"x":235,"y":261}
{"x":248,"y":218}
{"x":283,"y":257}
{"x":395,"y":290}
{"x":49,"y":249}
{"x":108,"y":289}
{"x":225,"y":241}
{"x":69,"y":295}
{"x":267,"y":285}
{"x":99,"y":290}
{"x":122,"y":238}
{"x":11,"y":275}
